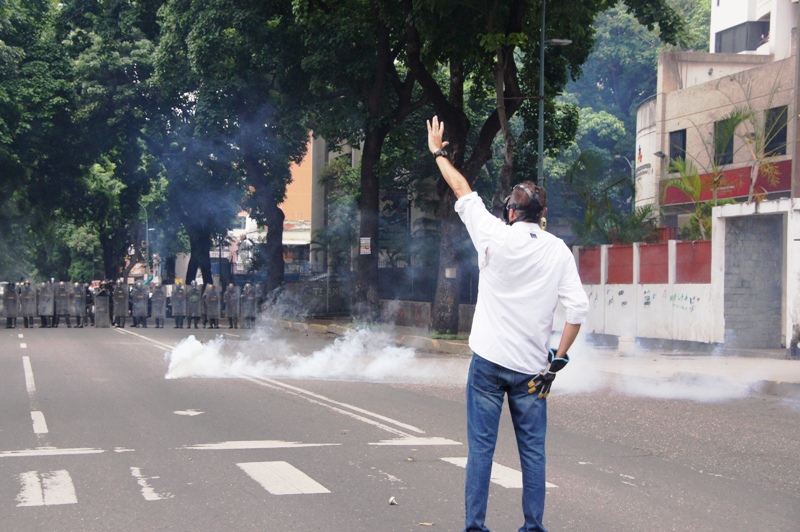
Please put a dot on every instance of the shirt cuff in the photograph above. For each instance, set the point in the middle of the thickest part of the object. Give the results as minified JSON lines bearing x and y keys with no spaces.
{"x":462,"y":202}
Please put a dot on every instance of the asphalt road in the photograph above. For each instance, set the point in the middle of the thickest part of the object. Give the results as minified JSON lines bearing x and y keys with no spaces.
{"x":304,"y":433}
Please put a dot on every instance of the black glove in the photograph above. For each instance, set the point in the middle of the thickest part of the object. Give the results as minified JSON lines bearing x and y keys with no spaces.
{"x":544,"y":380}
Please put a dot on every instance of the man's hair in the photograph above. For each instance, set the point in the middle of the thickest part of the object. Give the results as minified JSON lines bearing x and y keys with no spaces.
{"x":520,"y":200}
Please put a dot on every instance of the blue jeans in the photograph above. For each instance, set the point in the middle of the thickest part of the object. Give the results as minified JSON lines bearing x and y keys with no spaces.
{"x":487,"y":385}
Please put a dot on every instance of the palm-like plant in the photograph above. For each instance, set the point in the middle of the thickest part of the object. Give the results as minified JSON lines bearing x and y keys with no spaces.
{"x":688,"y":182}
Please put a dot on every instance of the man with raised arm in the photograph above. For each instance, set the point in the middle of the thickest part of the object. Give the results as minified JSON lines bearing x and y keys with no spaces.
{"x":524,"y":272}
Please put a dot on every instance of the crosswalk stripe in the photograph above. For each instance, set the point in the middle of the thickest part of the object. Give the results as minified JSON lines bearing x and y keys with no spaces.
{"x":39,"y":423}
{"x":148,"y":492}
{"x":47,"y":489}
{"x":501,"y":475}
{"x":48,"y":451}
{"x":413,"y":442}
{"x":282,"y":478}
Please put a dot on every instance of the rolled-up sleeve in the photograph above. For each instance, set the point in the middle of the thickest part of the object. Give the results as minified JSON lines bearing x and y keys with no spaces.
{"x":571,"y":293}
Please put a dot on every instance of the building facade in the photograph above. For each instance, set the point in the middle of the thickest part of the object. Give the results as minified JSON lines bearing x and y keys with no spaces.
{"x":750,"y":70}
{"x":731,"y":115}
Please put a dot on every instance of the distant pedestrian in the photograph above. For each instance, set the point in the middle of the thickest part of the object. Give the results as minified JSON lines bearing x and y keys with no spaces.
{"x":524,"y":273}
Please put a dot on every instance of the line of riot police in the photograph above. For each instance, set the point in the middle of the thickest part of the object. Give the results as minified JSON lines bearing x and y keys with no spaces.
{"x":53,"y":303}
{"x":111,"y":303}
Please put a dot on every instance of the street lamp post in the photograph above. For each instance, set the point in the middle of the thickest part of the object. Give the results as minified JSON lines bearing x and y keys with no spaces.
{"x":540,"y":147}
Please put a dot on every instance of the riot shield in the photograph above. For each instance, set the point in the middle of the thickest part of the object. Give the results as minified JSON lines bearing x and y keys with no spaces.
{"x":78,"y":301}
{"x":249,"y":302}
{"x":44,"y":306}
{"x":102,"y":312}
{"x":212,"y":302}
{"x":193,"y":302}
{"x":62,"y":295}
{"x":158,"y":303}
{"x":232,"y":298}
{"x":28,"y":301}
{"x":11,"y":301}
{"x":178,"y":301}
{"x":121,"y":301}
{"x":139,"y":298}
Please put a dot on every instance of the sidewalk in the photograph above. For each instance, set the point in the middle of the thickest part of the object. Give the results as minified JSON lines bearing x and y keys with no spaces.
{"x":724,"y":372}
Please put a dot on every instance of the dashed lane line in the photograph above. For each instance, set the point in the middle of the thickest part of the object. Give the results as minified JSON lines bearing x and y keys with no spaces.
{"x":143,"y":337}
{"x":30,"y":384}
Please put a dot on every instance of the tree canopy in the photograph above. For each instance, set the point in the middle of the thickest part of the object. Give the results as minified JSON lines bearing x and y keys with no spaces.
{"x":184,"y":111}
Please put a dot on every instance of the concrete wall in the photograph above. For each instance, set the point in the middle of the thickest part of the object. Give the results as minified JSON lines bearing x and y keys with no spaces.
{"x":661,"y":311}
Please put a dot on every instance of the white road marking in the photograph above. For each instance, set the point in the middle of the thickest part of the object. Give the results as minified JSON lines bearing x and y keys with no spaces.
{"x":123,"y":450}
{"x":47,"y":489}
{"x":418,"y":441}
{"x":159,"y":344}
{"x":190,"y":412}
{"x":20,"y":336}
{"x":23,"y":346}
{"x":281,"y":478}
{"x":323,"y":401}
{"x":39,"y":424}
{"x":320,"y":400}
{"x":502,"y":475}
{"x":48,"y":451}
{"x":254,"y":444}
{"x":148,"y":492}
{"x":234,"y":335}
{"x":29,"y":382}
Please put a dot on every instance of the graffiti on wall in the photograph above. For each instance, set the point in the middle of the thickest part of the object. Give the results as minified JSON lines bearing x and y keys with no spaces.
{"x":651,"y":297}
{"x":618,"y":296}
{"x":684,"y":302}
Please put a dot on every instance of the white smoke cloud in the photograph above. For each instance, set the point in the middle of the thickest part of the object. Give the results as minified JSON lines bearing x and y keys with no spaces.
{"x":360,"y":355}
{"x":371,"y":356}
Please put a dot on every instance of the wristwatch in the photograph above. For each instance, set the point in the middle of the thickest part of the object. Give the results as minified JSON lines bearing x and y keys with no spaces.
{"x":441,"y":152}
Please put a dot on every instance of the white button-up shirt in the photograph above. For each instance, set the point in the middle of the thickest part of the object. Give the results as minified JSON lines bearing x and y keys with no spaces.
{"x":524,"y":273}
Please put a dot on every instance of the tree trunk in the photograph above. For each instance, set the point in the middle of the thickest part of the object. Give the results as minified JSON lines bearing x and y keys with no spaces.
{"x":113,"y":244}
{"x":267,"y":195}
{"x":274,"y":247}
{"x":366,"y":305}
{"x":200,"y":257}
{"x":507,"y":170}
{"x":753,"y":176}
{"x":448,"y":288}
{"x":169,"y":278}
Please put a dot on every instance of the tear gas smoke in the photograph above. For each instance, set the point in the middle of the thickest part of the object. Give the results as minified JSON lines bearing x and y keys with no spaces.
{"x":361,"y":355}
{"x":370,"y":356}
{"x":655,"y":374}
